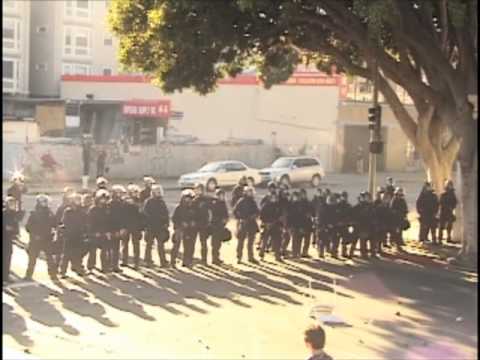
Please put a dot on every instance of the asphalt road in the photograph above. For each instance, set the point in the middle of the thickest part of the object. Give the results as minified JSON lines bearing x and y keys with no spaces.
{"x":402,"y":306}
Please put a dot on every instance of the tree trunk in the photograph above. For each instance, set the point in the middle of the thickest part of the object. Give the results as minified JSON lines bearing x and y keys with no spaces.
{"x":469,"y":211}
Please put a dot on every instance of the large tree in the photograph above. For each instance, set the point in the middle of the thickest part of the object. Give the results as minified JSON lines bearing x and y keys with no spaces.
{"x":428,"y":47}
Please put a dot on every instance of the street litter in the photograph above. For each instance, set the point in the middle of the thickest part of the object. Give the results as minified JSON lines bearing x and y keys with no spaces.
{"x":324,"y":313}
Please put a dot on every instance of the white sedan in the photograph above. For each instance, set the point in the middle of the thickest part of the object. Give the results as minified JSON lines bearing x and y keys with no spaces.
{"x":218,"y":174}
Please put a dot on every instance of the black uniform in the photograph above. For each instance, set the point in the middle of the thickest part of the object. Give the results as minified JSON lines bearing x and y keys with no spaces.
{"x":75,"y":229}
{"x":332,"y":218}
{"x":363,"y":220}
{"x":399,"y":211}
{"x":157,"y":221}
{"x":448,"y":203}
{"x":381,"y":220}
{"x":263,"y":234}
{"x":270,"y":215}
{"x":118,"y":221}
{"x":219,"y":220}
{"x":427,"y":208}
{"x":344,"y":224}
{"x":307,"y":212}
{"x":135,"y":225}
{"x":284,"y":203}
{"x":40,"y":226}
{"x":99,"y":230}
{"x":184,"y":224}
{"x":203,"y":215}
{"x":321,"y":228}
{"x":246,"y":212}
{"x":296,"y":225}
{"x":10,"y":231}
{"x":59,"y":243}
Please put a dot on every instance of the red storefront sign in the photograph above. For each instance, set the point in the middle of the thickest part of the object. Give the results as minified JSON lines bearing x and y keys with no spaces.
{"x":147,"y":108}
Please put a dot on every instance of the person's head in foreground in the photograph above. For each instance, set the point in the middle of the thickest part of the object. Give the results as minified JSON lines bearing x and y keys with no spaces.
{"x":314,"y":338}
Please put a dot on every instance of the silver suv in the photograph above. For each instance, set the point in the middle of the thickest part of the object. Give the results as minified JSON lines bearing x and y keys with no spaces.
{"x":289,"y":170}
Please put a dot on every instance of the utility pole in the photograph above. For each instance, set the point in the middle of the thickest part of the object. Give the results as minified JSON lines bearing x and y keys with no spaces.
{"x":375,"y":126}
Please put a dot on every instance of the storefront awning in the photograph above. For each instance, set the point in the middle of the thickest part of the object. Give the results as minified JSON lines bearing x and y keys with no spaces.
{"x":147,"y":108}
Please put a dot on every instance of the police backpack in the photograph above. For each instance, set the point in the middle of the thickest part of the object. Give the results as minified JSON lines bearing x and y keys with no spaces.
{"x":225,"y":234}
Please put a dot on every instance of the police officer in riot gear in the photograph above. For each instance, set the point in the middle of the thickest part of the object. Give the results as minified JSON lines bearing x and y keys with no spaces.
{"x":74,"y":223}
{"x":344,"y":223}
{"x":184,"y":225}
{"x":296,"y":223}
{"x":219,"y":221}
{"x":399,"y":211}
{"x":99,"y":231}
{"x":427,"y":208}
{"x":307,"y":227}
{"x":203,"y":215}
{"x":59,"y":244}
{"x":448,"y":203}
{"x":390,"y":186}
{"x":270,"y":215}
{"x":362,"y":214}
{"x":284,"y":203}
{"x":135,"y":225}
{"x":118,"y":223}
{"x":10,"y":232}
{"x":246,"y":212}
{"x":332,"y":220}
{"x":157,"y":223}
{"x":40,"y":225}
{"x":272,"y":191}
{"x":102,"y":183}
{"x":321,"y":228}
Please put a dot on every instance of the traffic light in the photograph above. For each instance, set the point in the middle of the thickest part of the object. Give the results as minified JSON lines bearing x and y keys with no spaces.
{"x":375,"y":118}
{"x":376,"y":147}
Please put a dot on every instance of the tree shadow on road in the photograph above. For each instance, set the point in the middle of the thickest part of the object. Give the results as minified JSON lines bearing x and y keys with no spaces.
{"x":34,"y":300}
{"x":15,"y":326}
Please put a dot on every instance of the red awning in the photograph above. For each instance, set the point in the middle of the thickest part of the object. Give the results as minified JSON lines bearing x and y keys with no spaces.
{"x":147,"y":108}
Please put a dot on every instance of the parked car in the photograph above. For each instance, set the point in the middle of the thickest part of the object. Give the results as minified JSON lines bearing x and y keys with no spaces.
{"x":219,"y":174}
{"x":290,"y":170}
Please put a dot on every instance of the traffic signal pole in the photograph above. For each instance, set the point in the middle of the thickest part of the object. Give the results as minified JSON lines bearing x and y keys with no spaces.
{"x":372,"y":159}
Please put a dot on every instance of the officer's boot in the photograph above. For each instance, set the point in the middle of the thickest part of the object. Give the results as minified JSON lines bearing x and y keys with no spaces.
{"x":449,"y":233}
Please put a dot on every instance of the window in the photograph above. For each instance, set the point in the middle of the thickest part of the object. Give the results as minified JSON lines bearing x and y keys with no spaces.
{"x":10,"y":4}
{"x":235,"y":167}
{"x":310,"y":162}
{"x":11,"y":34}
{"x":107,"y":71}
{"x":41,"y":67}
{"x":75,"y":69}
{"x":107,"y":41}
{"x":41,"y":29}
{"x":78,"y":8}
{"x":10,"y":75}
{"x":76,"y":41}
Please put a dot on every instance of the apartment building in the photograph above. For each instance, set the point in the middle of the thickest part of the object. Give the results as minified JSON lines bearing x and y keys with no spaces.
{"x":69,"y":38}
{"x":16,"y":47}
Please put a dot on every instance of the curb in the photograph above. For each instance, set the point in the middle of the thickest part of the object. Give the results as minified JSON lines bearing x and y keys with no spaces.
{"x":58,"y":192}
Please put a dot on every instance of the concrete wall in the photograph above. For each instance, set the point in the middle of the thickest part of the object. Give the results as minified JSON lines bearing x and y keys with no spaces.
{"x":161,"y":161}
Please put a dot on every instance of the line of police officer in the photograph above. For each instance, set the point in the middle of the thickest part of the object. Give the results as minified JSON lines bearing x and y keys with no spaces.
{"x":106,"y":222}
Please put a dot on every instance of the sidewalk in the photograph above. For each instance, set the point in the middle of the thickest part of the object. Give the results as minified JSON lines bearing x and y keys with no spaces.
{"x":57,"y":187}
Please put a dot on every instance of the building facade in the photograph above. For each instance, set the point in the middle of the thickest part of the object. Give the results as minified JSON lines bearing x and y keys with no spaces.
{"x":16,"y":47}
{"x":69,"y":37}
{"x":297,"y":116}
